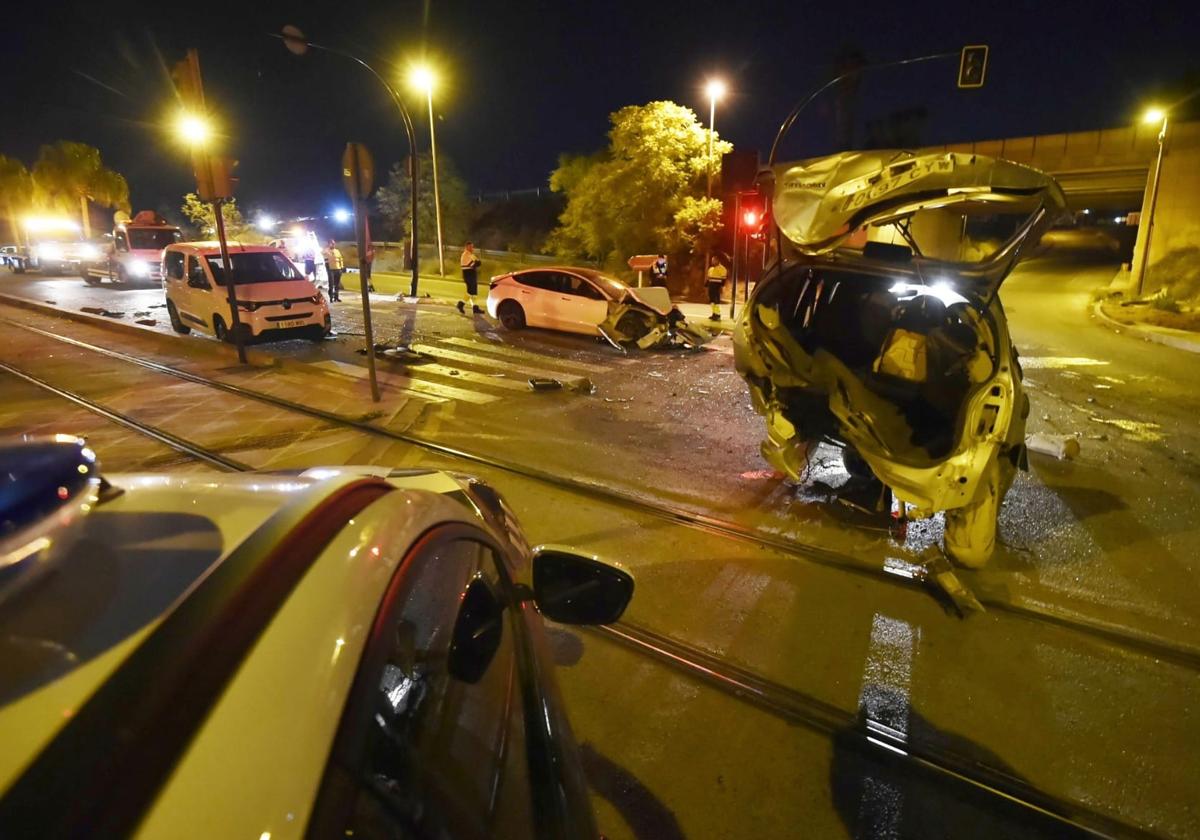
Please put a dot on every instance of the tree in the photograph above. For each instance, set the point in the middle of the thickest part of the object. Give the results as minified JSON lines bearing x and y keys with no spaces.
{"x":642,"y":195}
{"x":16,"y":192}
{"x":67,"y":175}
{"x":395,"y":200}
{"x":200,"y":213}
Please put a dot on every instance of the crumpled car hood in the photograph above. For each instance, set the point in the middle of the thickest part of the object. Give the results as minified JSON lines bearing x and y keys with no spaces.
{"x":819,"y":204}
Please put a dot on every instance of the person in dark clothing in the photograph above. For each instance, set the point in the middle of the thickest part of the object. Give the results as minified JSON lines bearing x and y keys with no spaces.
{"x":469,"y":262}
{"x":658,"y":271}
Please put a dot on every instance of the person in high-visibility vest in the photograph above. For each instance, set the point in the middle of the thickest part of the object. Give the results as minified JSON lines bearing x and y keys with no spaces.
{"x":715,"y":282}
{"x":469,"y":262}
{"x":334,"y":265}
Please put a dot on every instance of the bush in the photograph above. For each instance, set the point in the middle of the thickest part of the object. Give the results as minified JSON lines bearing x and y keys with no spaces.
{"x":1178,"y":273}
{"x":1165,"y":303}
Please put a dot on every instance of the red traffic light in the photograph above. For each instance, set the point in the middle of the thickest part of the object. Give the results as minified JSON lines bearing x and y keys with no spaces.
{"x":750,"y":218}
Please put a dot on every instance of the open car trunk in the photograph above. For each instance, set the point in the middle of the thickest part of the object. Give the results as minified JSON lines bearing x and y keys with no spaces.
{"x":966,"y":215}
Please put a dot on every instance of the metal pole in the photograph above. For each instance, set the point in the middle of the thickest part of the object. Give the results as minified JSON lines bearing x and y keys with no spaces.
{"x":292,"y":40}
{"x":227,"y":268}
{"x":1145,"y":255}
{"x":437,"y":196}
{"x":360,"y":234}
{"x":712,"y":129}
{"x":737,"y":220}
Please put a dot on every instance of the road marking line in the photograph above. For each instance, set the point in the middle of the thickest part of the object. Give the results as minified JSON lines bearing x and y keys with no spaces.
{"x":1042,"y":362}
{"x":524,"y":355}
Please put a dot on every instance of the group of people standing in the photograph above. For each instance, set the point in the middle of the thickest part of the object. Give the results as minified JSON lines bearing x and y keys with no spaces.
{"x":714,"y":280}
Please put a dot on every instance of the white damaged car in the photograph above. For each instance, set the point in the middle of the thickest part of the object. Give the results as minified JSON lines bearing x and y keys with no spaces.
{"x":878,"y":327}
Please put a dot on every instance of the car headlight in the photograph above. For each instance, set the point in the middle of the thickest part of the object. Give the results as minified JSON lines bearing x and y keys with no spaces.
{"x":317,"y":298}
{"x":89,"y":252}
{"x":139,"y":268}
{"x":50,"y":252}
{"x":248,"y":305}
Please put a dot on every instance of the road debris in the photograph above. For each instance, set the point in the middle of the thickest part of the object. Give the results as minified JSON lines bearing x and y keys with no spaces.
{"x":934,"y":568}
{"x":538,"y":384}
{"x":1062,"y":447}
{"x":147,"y":322}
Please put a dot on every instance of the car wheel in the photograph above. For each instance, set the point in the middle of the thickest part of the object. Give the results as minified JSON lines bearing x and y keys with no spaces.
{"x":219,"y":329}
{"x":317,"y":334}
{"x":176,"y":323}
{"x":512,"y":316}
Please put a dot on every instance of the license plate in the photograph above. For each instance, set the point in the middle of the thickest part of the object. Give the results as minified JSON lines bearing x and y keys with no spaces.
{"x":286,"y":325}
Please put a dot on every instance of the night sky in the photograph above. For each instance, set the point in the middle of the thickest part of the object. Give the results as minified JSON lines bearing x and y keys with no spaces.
{"x":527,"y":80}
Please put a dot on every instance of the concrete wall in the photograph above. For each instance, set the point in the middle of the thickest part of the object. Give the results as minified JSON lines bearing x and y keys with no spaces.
{"x":1177,"y":211}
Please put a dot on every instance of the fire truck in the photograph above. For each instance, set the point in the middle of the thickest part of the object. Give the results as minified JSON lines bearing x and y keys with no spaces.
{"x":135,"y":250}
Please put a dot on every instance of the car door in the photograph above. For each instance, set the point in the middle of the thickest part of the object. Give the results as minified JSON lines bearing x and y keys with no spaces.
{"x":195,"y":294}
{"x":432,"y":740}
{"x":579,"y":306}
{"x":534,"y":292}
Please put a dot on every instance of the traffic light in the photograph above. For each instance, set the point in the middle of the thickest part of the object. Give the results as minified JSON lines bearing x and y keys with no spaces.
{"x":753,"y":216}
{"x":224,"y":177}
{"x":972,"y":66}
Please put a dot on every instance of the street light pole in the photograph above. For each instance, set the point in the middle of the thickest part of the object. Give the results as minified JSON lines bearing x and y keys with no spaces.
{"x":422,"y":78}
{"x":1145,"y":255}
{"x":297,"y":44}
{"x":715,"y":90}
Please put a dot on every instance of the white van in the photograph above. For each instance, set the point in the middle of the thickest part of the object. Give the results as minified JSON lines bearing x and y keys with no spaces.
{"x":275,"y":300}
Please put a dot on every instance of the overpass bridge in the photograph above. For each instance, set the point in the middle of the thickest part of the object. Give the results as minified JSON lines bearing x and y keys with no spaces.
{"x":1101,"y":170}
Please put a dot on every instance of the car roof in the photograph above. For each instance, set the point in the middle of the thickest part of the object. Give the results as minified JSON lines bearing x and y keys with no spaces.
{"x":133,"y":560}
{"x":212,"y":247}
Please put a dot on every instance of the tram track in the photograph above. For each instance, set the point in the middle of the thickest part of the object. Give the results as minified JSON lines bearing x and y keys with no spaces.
{"x":1120,"y":635}
{"x":761,"y":692}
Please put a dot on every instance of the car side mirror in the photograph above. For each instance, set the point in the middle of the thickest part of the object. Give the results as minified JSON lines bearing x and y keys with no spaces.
{"x":576,"y":589}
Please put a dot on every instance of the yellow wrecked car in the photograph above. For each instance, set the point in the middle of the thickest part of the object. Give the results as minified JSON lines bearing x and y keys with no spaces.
{"x":878,"y":327}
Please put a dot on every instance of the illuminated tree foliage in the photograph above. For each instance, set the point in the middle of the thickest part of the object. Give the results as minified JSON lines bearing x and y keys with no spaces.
{"x":644,"y":194}
{"x":16,"y":192}
{"x":67,"y":175}
{"x":201,"y":215}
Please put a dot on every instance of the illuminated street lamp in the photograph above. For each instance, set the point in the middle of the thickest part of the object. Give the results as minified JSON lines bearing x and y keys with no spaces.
{"x":266,"y":223}
{"x":1152,"y":116}
{"x":193,"y":129}
{"x":422,"y":79}
{"x":341,"y":215}
{"x":715,"y":90}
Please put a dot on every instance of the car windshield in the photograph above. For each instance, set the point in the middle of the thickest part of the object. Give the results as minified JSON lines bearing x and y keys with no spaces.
{"x":610,"y":285}
{"x":145,"y":240}
{"x":257,"y":267}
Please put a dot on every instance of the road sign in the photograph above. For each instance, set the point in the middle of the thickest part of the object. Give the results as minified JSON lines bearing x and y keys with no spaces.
{"x":972,"y":66}
{"x":642,"y":262}
{"x":358,"y":171}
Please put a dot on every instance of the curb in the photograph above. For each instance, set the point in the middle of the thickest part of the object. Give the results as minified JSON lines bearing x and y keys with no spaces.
{"x":257,"y":358}
{"x":1178,"y":339}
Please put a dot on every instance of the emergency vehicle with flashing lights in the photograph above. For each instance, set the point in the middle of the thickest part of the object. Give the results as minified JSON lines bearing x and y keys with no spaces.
{"x":135,"y":250}
{"x":52,"y":245}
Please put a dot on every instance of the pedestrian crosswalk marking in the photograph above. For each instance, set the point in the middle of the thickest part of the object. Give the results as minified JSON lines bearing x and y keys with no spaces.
{"x":512,"y":352}
{"x":420,"y":388}
{"x":523,"y":371}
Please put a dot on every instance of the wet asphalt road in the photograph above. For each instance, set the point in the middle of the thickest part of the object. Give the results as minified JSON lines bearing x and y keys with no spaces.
{"x":1105,"y":537}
